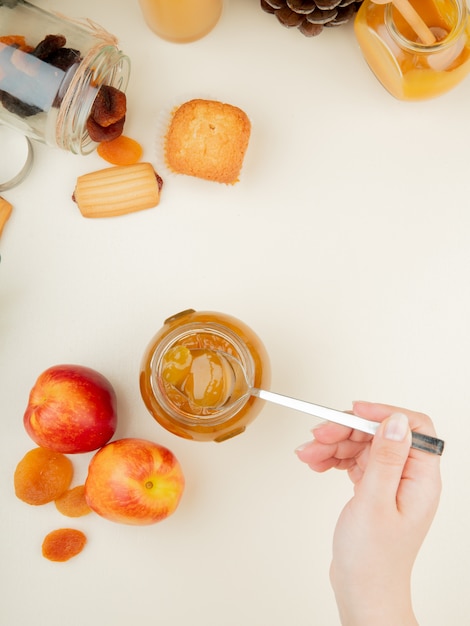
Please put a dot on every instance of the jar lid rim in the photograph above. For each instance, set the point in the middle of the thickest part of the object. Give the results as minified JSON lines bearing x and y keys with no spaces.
{"x":25,"y":160}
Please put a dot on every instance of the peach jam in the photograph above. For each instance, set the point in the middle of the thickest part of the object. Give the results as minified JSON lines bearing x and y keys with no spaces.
{"x":188,"y":381}
{"x":407,"y":68}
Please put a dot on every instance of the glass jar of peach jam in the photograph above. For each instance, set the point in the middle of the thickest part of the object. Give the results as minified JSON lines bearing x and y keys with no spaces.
{"x":51,"y":70}
{"x":407,"y":68}
{"x":187,"y":381}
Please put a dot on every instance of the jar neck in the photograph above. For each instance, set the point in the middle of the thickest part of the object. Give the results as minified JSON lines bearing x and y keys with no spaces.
{"x":447,"y":32}
{"x":182,"y":334}
{"x":104,"y":64}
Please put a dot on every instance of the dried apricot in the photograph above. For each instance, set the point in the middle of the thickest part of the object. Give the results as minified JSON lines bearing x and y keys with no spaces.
{"x":14,"y":40}
{"x":104,"y":133}
{"x":63,"y":544}
{"x":120,"y":151}
{"x":109,"y":106}
{"x":42,"y":476}
{"x":5,"y":212}
{"x":72,"y":503}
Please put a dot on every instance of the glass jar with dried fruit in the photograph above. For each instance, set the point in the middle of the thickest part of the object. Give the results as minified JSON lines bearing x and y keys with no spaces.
{"x":188,"y":380}
{"x":62,"y":81}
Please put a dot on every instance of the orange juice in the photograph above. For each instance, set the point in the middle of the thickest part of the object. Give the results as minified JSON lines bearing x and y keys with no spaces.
{"x":187,"y":384}
{"x":408,"y":69}
{"x":181,"y":21}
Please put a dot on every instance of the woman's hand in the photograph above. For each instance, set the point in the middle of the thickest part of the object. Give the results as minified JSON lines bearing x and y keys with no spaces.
{"x":381,"y":529}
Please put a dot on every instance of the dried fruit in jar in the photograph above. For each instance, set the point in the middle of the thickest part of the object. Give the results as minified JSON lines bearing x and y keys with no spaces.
{"x":17,"y":106}
{"x":72,"y":503}
{"x":63,"y":544}
{"x":18,"y":41}
{"x":42,"y":476}
{"x":121,"y":151}
{"x":49,"y":45}
{"x":64,"y":58}
{"x":8,"y":67}
{"x":108,"y":114}
{"x":50,"y":50}
{"x":104,"y":133}
{"x":109,"y":106}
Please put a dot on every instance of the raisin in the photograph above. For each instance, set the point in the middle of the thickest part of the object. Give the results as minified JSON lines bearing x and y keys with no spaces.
{"x":17,"y":106}
{"x":109,"y":106}
{"x":104,"y":133}
{"x":12,"y":103}
{"x":50,"y":44}
{"x":64,"y":58}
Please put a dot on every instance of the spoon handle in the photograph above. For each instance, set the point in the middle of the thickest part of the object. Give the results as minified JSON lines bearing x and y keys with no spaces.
{"x":415,"y":21}
{"x":418,"y":440}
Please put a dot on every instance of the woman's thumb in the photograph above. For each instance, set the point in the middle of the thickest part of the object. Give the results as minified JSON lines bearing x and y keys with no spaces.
{"x":388,"y":454}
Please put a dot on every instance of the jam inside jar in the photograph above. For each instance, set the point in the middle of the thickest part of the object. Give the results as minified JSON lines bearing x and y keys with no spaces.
{"x":187,"y":380}
{"x":407,"y":68}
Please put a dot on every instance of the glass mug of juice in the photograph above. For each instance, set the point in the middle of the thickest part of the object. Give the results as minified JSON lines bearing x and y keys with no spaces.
{"x":181,"y":21}
{"x":407,"y":68}
{"x":188,"y":381}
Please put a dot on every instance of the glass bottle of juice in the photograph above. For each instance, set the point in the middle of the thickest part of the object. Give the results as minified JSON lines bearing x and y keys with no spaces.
{"x":181,"y":21}
{"x":188,"y":381}
{"x":407,"y":68}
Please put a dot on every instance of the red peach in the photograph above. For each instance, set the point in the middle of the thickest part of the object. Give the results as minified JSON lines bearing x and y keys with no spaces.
{"x":71,"y":409}
{"x":134,"y":481}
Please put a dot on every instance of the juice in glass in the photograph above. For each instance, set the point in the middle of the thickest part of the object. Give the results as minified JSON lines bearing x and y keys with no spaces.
{"x":407,"y":68}
{"x":188,"y":382}
{"x":181,"y":21}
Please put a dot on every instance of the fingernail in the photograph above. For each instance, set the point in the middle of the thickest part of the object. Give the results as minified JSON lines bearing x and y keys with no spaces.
{"x":302,"y":447}
{"x":397,"y":427}
{"x":361,"y":402}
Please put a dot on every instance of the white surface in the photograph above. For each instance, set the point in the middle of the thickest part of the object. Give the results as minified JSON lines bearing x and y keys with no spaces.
{"x":345,"y":247}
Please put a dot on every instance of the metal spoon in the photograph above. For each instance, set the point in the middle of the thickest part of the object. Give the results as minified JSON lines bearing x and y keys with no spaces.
{"x":418,"y":440}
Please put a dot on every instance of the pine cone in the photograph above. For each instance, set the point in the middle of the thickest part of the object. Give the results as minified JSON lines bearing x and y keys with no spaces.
{"x":311,"y":16}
